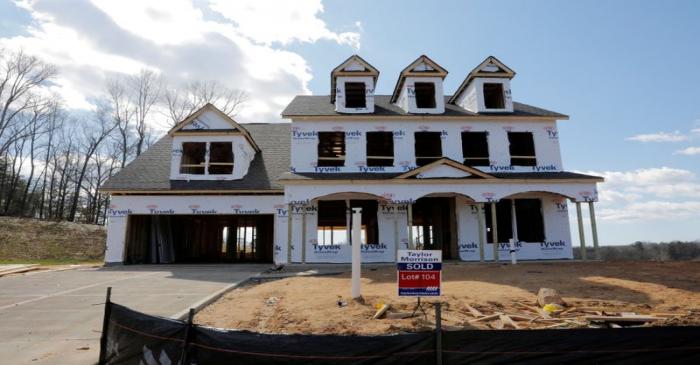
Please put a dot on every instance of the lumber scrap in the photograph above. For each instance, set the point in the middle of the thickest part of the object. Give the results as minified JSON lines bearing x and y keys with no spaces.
{"x":485,"y":318}
{"x":474,"y":312}
{"x":625,"y":318}
{"x":380,"y":312}
{"x":506,"y":320}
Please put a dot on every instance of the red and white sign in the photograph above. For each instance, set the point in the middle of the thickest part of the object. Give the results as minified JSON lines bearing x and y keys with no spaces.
{"x":419,"y":272}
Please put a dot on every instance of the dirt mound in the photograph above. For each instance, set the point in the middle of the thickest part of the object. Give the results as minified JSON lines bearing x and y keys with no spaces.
{"x":322,"y":304}
{"x":30,"y":240}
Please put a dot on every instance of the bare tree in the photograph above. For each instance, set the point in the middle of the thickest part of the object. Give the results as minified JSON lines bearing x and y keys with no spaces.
{"x":122,"y":113}
{"x":146,"y":88}
{"x":93,"y":136}
{"x":181,"y":102}
{"x":20,"y":76}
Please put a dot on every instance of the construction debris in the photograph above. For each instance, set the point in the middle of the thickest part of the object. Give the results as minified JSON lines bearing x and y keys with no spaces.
{"x":380,"y":312}
{"x":549,"y":296}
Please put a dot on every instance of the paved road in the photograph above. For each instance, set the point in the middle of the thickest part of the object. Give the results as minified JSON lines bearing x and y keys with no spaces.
{"x":56,"y":317}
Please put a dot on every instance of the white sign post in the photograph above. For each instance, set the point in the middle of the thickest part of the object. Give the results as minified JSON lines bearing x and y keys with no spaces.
{"x":356,"y":252}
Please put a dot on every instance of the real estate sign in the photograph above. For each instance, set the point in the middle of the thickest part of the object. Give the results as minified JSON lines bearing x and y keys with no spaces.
{"x":419,"y":272}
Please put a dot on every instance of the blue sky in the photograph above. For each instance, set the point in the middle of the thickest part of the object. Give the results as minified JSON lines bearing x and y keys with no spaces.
{"x":625,"y":71}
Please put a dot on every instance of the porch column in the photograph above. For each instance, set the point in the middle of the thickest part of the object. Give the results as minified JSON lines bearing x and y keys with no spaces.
{"x":514,"y":221}
{"x":396,"y":233}
{"x":303,"y":234}
{"x":348,"y":220}
{"x":581,"y":237}
{"x":480,"y":216}
{"x":594,"y":230}
{"x":289,"y":234}
{"x":410,"y":226}
{"x":494,"y":231}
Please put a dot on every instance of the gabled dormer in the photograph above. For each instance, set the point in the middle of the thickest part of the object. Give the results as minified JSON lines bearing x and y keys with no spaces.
{"x":486,"y":89}
{"x":352,"y":86}
{"x":419,"y":88}
{"x":210,"y":145}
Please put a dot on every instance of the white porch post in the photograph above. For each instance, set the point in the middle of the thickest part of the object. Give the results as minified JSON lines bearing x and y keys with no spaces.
{"x":289,"y":233}
{"x":494,"y":232}
{"x":396,"y":233}
{"x":348,"y":220}
{"x":303,"y":234}
{"x":480,"y":216}
{"x":410,"y":226}
{"x":581,"y":237}
{"x":514,"y":221}
{"x":594,"y":230}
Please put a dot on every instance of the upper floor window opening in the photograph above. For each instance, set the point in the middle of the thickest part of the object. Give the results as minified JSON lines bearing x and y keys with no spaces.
{"x":493,"y":96}
{"x":425,"y":95}
{"x":220,"y":158}
{"x":475,"y":148}
{"x":331,"y":149}
{"x":428,"y":147}
{"x":194,"y":158}
{"x":380,"y":149}
{"x":355,"y":95}
{"x":522,"y":149}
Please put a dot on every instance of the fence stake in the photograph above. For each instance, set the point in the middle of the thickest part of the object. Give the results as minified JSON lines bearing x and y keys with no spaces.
{"x":438,"y":333}
{"x":105,"y":325}
{"x":184,"y":358}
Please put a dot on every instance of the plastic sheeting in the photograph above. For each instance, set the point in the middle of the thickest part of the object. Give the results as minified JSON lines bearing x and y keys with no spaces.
{"x":136,"y":338}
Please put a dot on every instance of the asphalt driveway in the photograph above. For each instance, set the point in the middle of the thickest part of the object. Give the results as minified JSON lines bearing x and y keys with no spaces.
{"x":56,"y":317}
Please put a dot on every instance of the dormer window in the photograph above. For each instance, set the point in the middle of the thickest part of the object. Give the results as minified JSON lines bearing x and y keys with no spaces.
{"x":355,"y":95}
{"x":331,"y":149}
{"x":194,"y":158}
{"x":493,"y":96}
{"x":220,"y":158}
{"x":425,"y":95}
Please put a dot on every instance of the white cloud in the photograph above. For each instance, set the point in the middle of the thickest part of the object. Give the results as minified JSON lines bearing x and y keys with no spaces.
{"x":270,"y":21}
{"x":661,"y":193}
{"x":676,"y":136}
{"x":688,"y":151}
{"x":241,"y":44}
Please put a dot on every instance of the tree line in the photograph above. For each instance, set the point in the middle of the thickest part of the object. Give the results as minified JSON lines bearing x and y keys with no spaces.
{"x":53,"y":160}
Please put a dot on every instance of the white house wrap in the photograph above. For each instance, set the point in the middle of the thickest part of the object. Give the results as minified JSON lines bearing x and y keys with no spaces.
{"x":454,"y":173}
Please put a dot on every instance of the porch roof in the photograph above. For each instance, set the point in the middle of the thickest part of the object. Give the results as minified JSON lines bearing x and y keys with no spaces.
{"x":345,"y":176}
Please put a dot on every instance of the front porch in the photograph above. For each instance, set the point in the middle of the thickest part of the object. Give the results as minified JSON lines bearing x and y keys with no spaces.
{"x":463,"y":224}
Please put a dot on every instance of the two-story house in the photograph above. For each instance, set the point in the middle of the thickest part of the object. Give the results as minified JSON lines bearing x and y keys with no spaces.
{"x":465,"y":173}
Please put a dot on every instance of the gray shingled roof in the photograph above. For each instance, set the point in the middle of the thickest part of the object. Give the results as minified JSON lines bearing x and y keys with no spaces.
{"x":151,"y":170}
{"x":320,"y":105}
{"x":566,"y":175}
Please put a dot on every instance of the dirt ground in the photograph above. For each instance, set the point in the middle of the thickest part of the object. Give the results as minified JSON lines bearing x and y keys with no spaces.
{"x":322,"y":304}
{"x":28,"y":240}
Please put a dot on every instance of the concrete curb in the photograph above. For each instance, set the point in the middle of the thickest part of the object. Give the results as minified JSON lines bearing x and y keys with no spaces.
{"x":197,"y":306}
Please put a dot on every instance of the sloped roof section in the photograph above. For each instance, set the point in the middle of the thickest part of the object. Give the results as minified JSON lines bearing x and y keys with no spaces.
{"x":194,"y":124}
{"x":353,"y":66}
{"x":318,"y":106}
{"x":151,"y":171}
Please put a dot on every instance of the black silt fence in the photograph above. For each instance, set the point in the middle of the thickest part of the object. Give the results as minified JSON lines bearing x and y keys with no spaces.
{"x":136,"y":338}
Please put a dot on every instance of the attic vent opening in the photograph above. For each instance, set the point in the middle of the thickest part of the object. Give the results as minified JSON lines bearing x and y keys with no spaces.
{"x":193,"y":158}
{"x":475,"y":148}
{"x":220,"y":158}
{"x":380,"y":149}
{"x":428,"y":147}
{"x":355,"y":95}
{"x":522,"y":149}
{"x":331,"y":149}
{"x":493,"y":96}
{"x":425,"y":95}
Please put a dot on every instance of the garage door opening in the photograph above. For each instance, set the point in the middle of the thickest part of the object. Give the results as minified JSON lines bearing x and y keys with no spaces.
{"x":167,"y":239}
